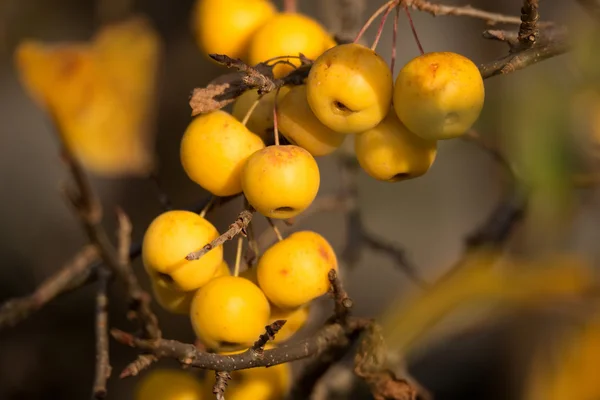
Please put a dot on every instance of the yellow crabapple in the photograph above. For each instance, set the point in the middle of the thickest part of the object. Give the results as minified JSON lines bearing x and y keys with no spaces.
{"x":214,"y":149}
{"x":349,"y":88}
{"x":229,"y":311}
{"x":171,"y":384}
{"x":390,"y":152}
{"x":281,"y":181}
{"x":301,"y":127}
{"x":227,"y":26}
{"x":261,"y":119}
{"x":289,"y":34}
{"x":259,"y":383}
{"x":170,"y":238}
{"x":295,"y":270}
{"x":295,"y":320}
{"x":439,"y":95}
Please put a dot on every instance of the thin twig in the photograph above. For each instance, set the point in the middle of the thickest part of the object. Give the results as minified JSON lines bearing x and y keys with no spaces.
{"x":413,"y":29}
{"x":222,"y":379}
{"x":343,"y":302}
{"x":211,"y":202}
{"x":76,"y":271}
{"x":142,"y":362}
{"x":238,"y":256}
{"x":381,"y":25}
{"x":373,"y":17}
{"x":528,"y":31}
{"x":270,"y":331}
{"x":103,"y":368}
{"x":275,"y":229}
{"x":395,"y":38}
{"x":236,"y":228}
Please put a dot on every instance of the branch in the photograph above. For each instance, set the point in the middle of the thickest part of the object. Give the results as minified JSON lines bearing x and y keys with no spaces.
{"x":270,"y":331}
{"x":238,"y":226}
{"x":103,"y":368}
{"x":528,"y":31}
{"x":221,"y":382}
{"x":343,"y":302}
{"x":70,"y":275}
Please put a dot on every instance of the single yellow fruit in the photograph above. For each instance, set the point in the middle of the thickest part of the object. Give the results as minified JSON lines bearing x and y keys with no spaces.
{"x":172,"y":236}
{"x":174,"y":301}
{"x":390,"y":152}
{"x":214,"y":149}
{"x":260,"y":383}
{"x":227,"y":26}
{"x":281,"y":181}
{"x":228,"y":311}
{"x":301,"y":127}
{"x":295,"y":270}
{"x":288,"y":34}
{"x":295,"y":320}
{"x":349,"y":88}
{"x":439,"y":95}
{"x":171,"y":384}
{"x":261,"y":119}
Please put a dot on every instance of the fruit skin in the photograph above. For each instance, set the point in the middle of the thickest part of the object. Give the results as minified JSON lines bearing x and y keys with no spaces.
{"x":390,"y":152}
{"x":288,"y":34}
{"x":281,"y":181}
{"x":229,"y":310}
{"x":214,"y":149}
{"x":295,"y":270}
{"x":172,"y":236}
{"x":439,"y":95}
{"x":349,"y":88}
{"x":172,"y":384}
{"x":261,"y":120}
{"x":227,"y":26}
{"x":300,"y":126}
{"x":295,"y":320}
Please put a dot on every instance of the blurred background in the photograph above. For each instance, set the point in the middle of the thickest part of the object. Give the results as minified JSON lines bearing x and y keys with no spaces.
{"x":51,"y":355}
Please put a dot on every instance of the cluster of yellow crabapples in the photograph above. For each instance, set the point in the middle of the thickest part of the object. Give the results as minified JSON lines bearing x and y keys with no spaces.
{"x":349,"y":91}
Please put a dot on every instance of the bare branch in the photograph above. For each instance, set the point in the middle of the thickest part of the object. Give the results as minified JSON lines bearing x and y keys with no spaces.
{"x":221,"y":382}
{"x":103,"y":368}
{"x":138,"y":365}
{"x":343,"y":302}
{"x":239,"y":225}
{"x":529,"y":32}
{"x":270,"y":331}
{"x":70,"y":275}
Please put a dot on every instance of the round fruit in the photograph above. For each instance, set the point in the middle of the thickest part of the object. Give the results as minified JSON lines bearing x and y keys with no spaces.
{"x":260,"y":383}
{"x":174,"y":384}
{"x":228,"y":311}
{"x":390,"y":152}
{"x":214,"y":148}
{"x":281,"y":181}
{"x":295,"y":320}
{"x":170,"y":238}
{"x":261,"y":119}
{"x":174,"y":301}
{"x":299,"y":125}
{"x":289,"y":34}
{"x":349,"y":88}
{"x":227,"y":26}
{"x":439,"y":95}
{"x":295,"y":270}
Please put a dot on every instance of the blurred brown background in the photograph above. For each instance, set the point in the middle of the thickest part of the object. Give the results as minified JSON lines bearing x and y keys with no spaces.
{"x":51,"y":355}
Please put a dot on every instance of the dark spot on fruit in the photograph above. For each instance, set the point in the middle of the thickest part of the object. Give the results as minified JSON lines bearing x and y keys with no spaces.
{"x":284,"y":272}
{"x":284,"y":209}
{"x":399,"y":176}
{"x":434,"y":67}
{"x":324,"y":253}
{"x":341,"y":108}
{"x":165,"y":277}
{"x":327,"y":64}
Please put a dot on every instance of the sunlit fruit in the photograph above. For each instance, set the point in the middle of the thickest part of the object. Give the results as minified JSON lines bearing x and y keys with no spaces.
{"x":349,"y":88}
{"x":289,"y":34}
{"x":390,"y":152}
{"x":261,"y":119}
{"x":214,"y":149}
{"x":170,"y":238}
{"x":229,"y":311}
{"x":281,"y":181}
{"x":301,"y":127}
{"x":260,"y":383}
{"x":439,"y":95}
{"x":171,"y":384}
{"x":295,"y":270}
{"x":295,"y":320}
{"x":227,"y":26}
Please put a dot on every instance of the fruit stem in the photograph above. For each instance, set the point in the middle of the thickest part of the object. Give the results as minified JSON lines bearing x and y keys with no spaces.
{"x":290,"y":6}
{"x":208,"y":206}
{"x":251,"y":110}
{"x":275,"y":123}
{"x":238,"y":256}
{"x":395,"y":38}
{"x":381,"y":25}
{"x":275,"y":229}
{"x":380,"y":10}
{"x":414,"y":31}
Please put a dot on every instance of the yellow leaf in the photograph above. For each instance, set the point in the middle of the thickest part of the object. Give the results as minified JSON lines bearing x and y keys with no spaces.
{"x":479,"y":281}
{"x":574,"y":375}
{"x":100,"y":94}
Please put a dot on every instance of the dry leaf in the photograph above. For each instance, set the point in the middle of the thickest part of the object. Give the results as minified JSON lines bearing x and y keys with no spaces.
{"x":101,"y":94}
{"x":477,"y":282}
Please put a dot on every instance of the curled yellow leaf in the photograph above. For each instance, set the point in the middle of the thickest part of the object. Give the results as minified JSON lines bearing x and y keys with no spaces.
{"x":100,"y":94}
